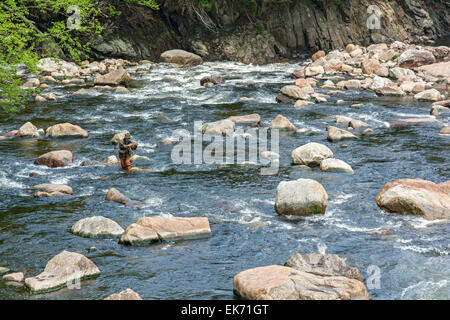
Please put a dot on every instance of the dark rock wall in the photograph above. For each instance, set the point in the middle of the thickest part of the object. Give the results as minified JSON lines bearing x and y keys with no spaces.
{"x":277,"y":31}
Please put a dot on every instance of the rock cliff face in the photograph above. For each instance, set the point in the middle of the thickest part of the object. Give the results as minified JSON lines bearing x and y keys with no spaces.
{"x":277,"y":30}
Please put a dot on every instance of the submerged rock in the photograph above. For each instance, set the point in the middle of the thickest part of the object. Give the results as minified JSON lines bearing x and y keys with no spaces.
{"x":415,"y":196}
{"x":412,"y":122}
{"x":285,"y":283}
{"x":127,"y":294}
{"x":153,"y":229}
{"x":302,"y":197}
{"x":311,"y":153}
{"x":115,"y":196}
{"x":184,"y":58}
{"x":445,"y":131}
{"x":62,"y":270}
{"x":97,"y":227}
{"x":65,"y":130}
{"x":55,"y":159}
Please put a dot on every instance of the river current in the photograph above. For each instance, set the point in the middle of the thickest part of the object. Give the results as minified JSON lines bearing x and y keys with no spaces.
{"x":407,"y":254}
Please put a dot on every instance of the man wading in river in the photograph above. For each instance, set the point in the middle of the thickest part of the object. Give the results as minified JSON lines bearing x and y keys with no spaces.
{"x":126,"y":147}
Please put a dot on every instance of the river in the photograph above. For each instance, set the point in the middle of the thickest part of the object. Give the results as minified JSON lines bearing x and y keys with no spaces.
{"x":410,"y":253}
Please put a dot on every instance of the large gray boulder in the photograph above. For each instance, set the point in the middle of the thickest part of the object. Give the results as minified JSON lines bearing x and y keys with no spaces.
{"x":28,"y":130}
{"x":285,"y":283}
{"x":417,"y":197}
{"x":153,"y":229}
{"x":97,"y":227}
{"x":51,"y":189}
{"x":64,"y":269}
{"x":221,"y":127}
{"x":415,"y":58}
{"x":302,"y":197}
{"x":332,"y":164}
{"x":65,"y":130}
{"x":55,"y":159}
{"x":337,"y":134}
{"x":184,"y":58}
{"x":114,"y":78}
{"x":311,"y":153}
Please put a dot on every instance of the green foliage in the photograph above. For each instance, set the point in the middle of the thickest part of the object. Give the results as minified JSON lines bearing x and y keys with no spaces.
{"x":147,"y":3}
{"x":22,"y":42}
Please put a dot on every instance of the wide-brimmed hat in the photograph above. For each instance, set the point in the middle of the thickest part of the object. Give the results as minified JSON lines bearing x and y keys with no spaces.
{"x":127,"y":135}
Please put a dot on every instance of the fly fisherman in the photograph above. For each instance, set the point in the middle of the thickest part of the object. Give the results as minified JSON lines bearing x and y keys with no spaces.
{"x":126,"y":147}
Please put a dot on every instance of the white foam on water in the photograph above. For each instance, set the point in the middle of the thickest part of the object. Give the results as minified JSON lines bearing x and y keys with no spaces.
{"x":154,"y":201}
{"x":6,"y":183}
{"x":418,"y":222}
{"x":422,"y":250}
{"x":424,"y":290}
{"x":342,"y":198}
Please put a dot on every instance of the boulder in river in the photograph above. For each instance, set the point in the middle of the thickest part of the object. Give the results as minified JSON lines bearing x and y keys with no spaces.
{"x":127,"y":294}
{"x":332,"y":164}
{"x":54,"y":159}
{"x":112,"y":161}
{"x":28,"y":130}
{"x":65,"y":130}
{"x":294,"y":92}
{"x":302,"y":197}
{"x":221,"y":127}
{"x":184,"y":58}
{"x":325,"y":265}
{"x":415,"y":58}
{"x":118,"y":137}
{"x":336,"y":134}
{"x":114,"y":78}
{"x":97,"y":227}
{"x":62,"y":270}
{"x":116,"y":196}
{"x":253,"y":119}
{"x":429,"y":95}
{"x":415,"y":196}
{"x":153,"y":229}
{"x":214,"y":79}
{"x":51,"y":189}
{"x":14,"y":277}
{"x":398,"y":73}
{"x":285,"y":283}
{"x":281,"y":122}
{"x":311,"y":153}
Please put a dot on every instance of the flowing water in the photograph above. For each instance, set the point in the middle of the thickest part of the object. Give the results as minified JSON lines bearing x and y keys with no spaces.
{"x":410,"y":253}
